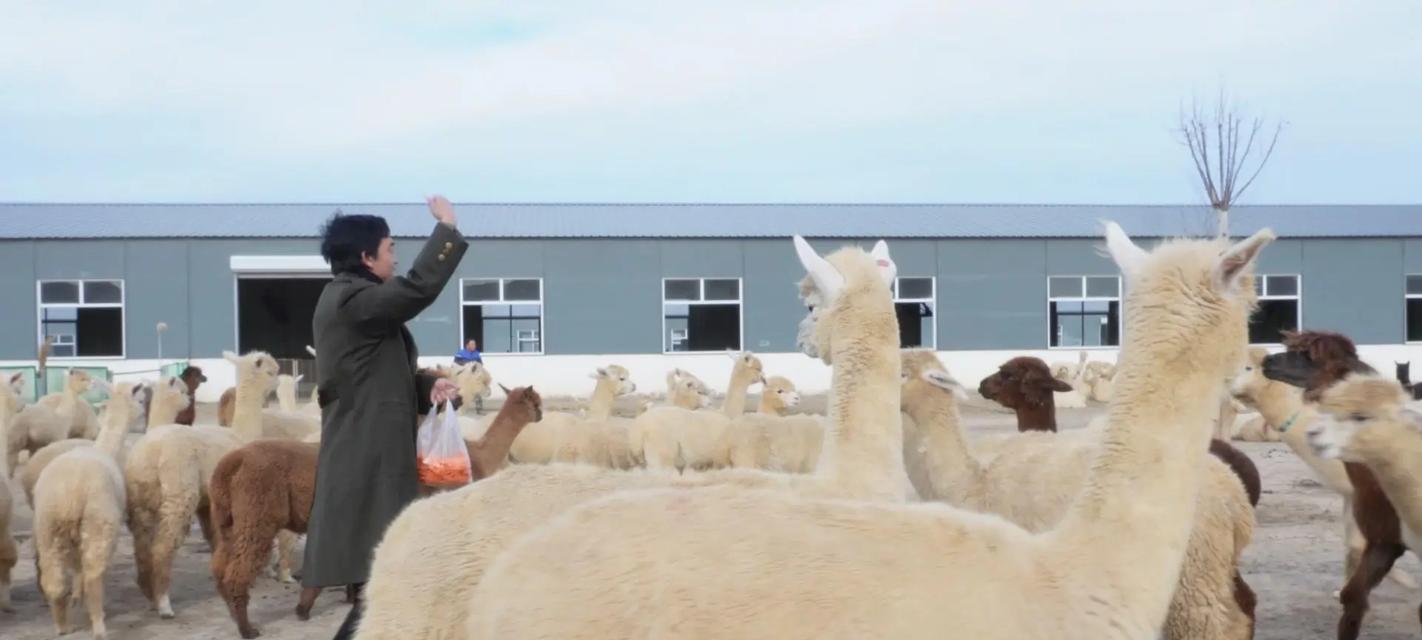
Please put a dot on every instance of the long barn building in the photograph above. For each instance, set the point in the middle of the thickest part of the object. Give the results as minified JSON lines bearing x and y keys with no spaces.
{"x":551,"y":291}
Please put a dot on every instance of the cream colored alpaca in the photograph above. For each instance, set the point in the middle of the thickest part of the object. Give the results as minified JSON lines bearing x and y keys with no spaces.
{"x":773,"y":440}
{"x":169,"y":397}
{"x":167,"y":474}
{"x":1074,"y":376}
{"x":1283,"y":407}
{"x":746,"y":371}
{"x":757,"y":564}
{"x":1099,"y":378}
{"x":681,"y":438}
{"x":1366,"y":419}
{"x":556,"y":438}
{"x":79,"y":513}
{"x":33,"y":428}
{"x":286,"y":391}
{"x":778,"y":397}
{"x":436,"y":551}
{"x":9,"y":552}
{"x":71,"y":405}
{"x":1034,"y":477}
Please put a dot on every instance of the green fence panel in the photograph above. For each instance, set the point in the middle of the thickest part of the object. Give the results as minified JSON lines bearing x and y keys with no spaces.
{"x":30,"y":375}
{"x":175,"y":369}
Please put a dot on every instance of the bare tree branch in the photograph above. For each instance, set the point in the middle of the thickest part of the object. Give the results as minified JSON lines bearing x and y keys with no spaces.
{"x":1220,"y":139}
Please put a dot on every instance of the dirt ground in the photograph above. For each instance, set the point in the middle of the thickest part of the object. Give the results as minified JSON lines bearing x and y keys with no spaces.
{"x":1294,"y":564}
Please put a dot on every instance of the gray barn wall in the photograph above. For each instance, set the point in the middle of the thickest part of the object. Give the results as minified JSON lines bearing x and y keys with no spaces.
{"x":604,"y":295}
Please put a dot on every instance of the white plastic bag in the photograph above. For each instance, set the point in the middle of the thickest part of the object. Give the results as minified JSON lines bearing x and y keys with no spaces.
{"x":440,"y":454}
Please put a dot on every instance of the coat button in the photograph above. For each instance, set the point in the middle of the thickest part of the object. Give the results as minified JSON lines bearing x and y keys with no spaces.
{"x":441,"y":256}
{"x":448,"y":246}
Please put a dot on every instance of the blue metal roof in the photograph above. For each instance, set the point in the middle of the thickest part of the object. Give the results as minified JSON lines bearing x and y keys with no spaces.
{"x":527,"y":220}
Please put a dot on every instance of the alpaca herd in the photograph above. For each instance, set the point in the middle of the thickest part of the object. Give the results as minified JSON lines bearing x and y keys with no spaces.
{"x":737,"y":516}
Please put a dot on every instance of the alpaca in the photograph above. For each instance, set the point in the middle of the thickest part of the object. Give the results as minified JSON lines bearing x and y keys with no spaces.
{"x":746,"y":371}
{"x":71,"y":405}
{"x":681,"y":438}
{"x":193,"y":377}
{"x":1404,"y":376}
{"x":166,"y":399}
{"x":1315,"y":361}
{"x":1034,"y":477}
{"x":773,"y":440}
{"x":434,"y":554}
{"x":9,"y":551}
{"x":1026,"y":386}
{"x":778,"y":396}
{"x":167,"y":475}
{"x":490,"y":454}
{"x":1075,"y":377}
{"x":761,"y":564}
{"x":1099,"y":378}
{"x":32,"y":429}
{"x":555,"y":437}
{"x":79,"y":504}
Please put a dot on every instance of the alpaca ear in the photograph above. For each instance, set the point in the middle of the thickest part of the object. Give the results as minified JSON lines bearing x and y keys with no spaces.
{"x":1059,"y":386}
{"x":827,"y":279}
{"x":600,"y":373}
{"x":943,"y":381}
{"x":299,"y":377}
{"x":138,"y":389}
{"x":1237,"y":260}
{"x":231,"y":357}
{"x":887,"y":269}
{"x":506,"y":389}
{"x":1127,"y":256}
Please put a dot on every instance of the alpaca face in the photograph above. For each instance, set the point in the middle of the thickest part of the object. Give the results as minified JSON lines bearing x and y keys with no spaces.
{"x":256,"y":368}
{"x":1357,"y":415}
{"x":619,"y":376}
{"x":474,"y":381}
{"x":193,"y":376}
{"x":80,"y":381}
{"x":826,"y":279}
{"x":1249,"y":384}
{"x":1291,"y":367}
{"x":749,"y":362}
{"x":525,"y":399}
{"x":1021,"y":383}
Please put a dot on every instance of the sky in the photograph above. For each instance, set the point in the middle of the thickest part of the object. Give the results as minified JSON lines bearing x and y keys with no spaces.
{"x":727,"y":101}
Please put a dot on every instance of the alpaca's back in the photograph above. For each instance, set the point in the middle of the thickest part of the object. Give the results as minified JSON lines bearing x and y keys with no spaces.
{"x":693,"y":438}
{"x":776,"y":443}
{"x":539,"y":442}
{"x":79,"y":492}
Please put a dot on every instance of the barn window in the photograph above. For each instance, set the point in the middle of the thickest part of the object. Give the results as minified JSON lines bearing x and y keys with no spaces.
{"x":505,"y":315}
{"x":914,"y":305}
{"x":1414,"y":308}
{"x":83,"y":318}
{"x":1278,"y":311}
{"x":701,"y":314}
{"x":1084,"y":311}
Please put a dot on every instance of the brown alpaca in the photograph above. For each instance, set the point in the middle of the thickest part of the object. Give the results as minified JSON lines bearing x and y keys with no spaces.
{"x":1316,"y":360}
{"x":193,"y":377}
{"x":1025,"y":385}
{"x":1241,"y":465}
{"x":491,"y":452}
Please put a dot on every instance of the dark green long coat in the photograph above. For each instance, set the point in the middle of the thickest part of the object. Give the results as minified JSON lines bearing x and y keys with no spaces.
{"x":371,"y":403}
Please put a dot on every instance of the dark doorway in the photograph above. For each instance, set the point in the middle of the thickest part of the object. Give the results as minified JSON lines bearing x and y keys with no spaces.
{"x":274,"y":315}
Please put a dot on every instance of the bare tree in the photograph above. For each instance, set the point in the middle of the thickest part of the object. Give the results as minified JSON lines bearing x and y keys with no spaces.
{"x":1220,"y":145}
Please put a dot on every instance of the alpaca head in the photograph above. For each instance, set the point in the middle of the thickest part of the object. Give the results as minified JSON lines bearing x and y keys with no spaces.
{"x":1314,"y":360}
{"x":169,"y":391}
{"x":617,"y":377}
{"x":1097,"y":371}
{"x":1404,"y":371}
{"x":1360,"y":414}
{"x":78,"y":381}
{"x":256,"y":369}
{"x":524,"y":400}
{"x":473,"y":380}
{"x":193,"y":376}
{"x":686,"y":390}
{"x":782,"y":392}
{"x":849,"y":273}
{"x":130,"y":397}
{"x":746,"y":361}
{"x":921,"y":372}
{"x":11,"y":392}
{"x":1188,"y":301}
{"x":1250,"y":384}
{"x":1022,"y":383}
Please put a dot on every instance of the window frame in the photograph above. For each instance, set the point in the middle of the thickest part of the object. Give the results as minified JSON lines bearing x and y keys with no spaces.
{"x":121,"y":305}
{"x":740,"y":303}
{"x":1405,"y":297}
{"x":1297,"y":297}
{"x":932,"y":300}
{"x":1119,"y":298}
{"x":542,"y":313}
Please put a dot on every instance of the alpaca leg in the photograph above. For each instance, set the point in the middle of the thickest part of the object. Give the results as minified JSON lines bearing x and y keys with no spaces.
{"x":286,"y":548}
{"x":53,"y":583}
{"x":174,"y":520}
{"x":9,"y":556}
{"x":238,"y":560}
{"x":308,"y":600}
{"x":141,"y":522}
{"x":1376,"y":562}
{"x":204,"y":518}
{"x":94,"y":603}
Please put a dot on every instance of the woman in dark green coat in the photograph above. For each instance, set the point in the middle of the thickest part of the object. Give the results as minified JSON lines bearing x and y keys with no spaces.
{"x":371,"y":397}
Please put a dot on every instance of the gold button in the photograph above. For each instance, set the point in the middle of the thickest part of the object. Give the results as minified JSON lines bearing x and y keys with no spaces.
{"x":441,"y":256}
{"x":448,"y":246}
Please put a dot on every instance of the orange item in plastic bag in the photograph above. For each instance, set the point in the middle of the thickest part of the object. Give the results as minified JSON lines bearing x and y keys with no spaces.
{"x":440,"y":455}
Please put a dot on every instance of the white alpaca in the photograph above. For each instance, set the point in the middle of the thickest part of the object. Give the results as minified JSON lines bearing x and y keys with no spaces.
{"x":774,"y":440}
{"x":683,"y":438}
{"x":1034,"y":477}
{"x":1283,"y":407}
{"x":9,"y":552}
{"x":167,"y":474}
{"x":759,"y":564}
{"x":71,"y":405}
{"x":1074,"y":376}
{"x":435,"y":552}
{"x":79,"y":513}
{"x":557,"y":437}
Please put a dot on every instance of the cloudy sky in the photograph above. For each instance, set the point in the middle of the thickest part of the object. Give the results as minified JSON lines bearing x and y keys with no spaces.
{"x":727,"y":101}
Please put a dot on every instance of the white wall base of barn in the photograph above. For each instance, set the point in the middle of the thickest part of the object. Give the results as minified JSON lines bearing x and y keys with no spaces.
{"x":568,"y":374}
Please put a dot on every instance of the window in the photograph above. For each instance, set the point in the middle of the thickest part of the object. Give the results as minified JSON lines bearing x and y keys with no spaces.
{"x":1084,"y":311}
{"x":84,"y":318}
{"x":701,"y":314}
{"x":505,"y":315}
{"x":1414,"y":308}
{"x":1278,"y":309}
{"x":914,"y":305}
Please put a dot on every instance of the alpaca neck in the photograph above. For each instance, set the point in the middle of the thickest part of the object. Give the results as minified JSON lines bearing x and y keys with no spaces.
{"x":117,"y":415}
{"x":164,"y":410}
{"x":685,"y":399}
{"x":9,"y":406}
{"x":247,"y":410}
{"x":1038,"y":417}
{"x":1396,"y":471}
{"x":494,"y":446}
{"x":769,"y":406}
{"x":862,"y":452}
{"x":286,"y":397}
{"x":735,"y":403}
{"x":601,"y":405}
{"x":954,"y":474}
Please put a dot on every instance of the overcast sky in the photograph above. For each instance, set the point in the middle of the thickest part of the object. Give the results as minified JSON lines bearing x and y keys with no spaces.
{"x":727,"y":101}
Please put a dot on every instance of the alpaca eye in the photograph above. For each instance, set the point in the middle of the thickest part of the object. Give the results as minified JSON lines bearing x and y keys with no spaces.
{"x":1357,"y":417}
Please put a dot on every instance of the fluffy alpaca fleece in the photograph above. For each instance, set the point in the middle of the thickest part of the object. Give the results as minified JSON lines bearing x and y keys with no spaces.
{"x":556,"y":438}
{"x":1034,"y":477}
{"x":167,"y":398}
{"x":435,"y":552}
{"x":1026,"y":386}
{"x":1075,"y":377}
{"x":9,"y":553}
{"x":79,"y":503}
{"x":746,"y":371}
{"x":686,"y":438}
{"x":167,"y":475}
{"x":1099,"y":378}
{"x":71,"y":405}
{"x":760,"y":564}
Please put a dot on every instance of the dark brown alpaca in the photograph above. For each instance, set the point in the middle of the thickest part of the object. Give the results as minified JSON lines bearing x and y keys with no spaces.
{"x":491,"y":453}
{"x":193,"y":377}
{"x":1025,"y":385}
{"x":1316,"y":360}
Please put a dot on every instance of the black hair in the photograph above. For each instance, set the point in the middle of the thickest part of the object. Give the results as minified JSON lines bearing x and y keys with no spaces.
{"x":346,"y":238}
